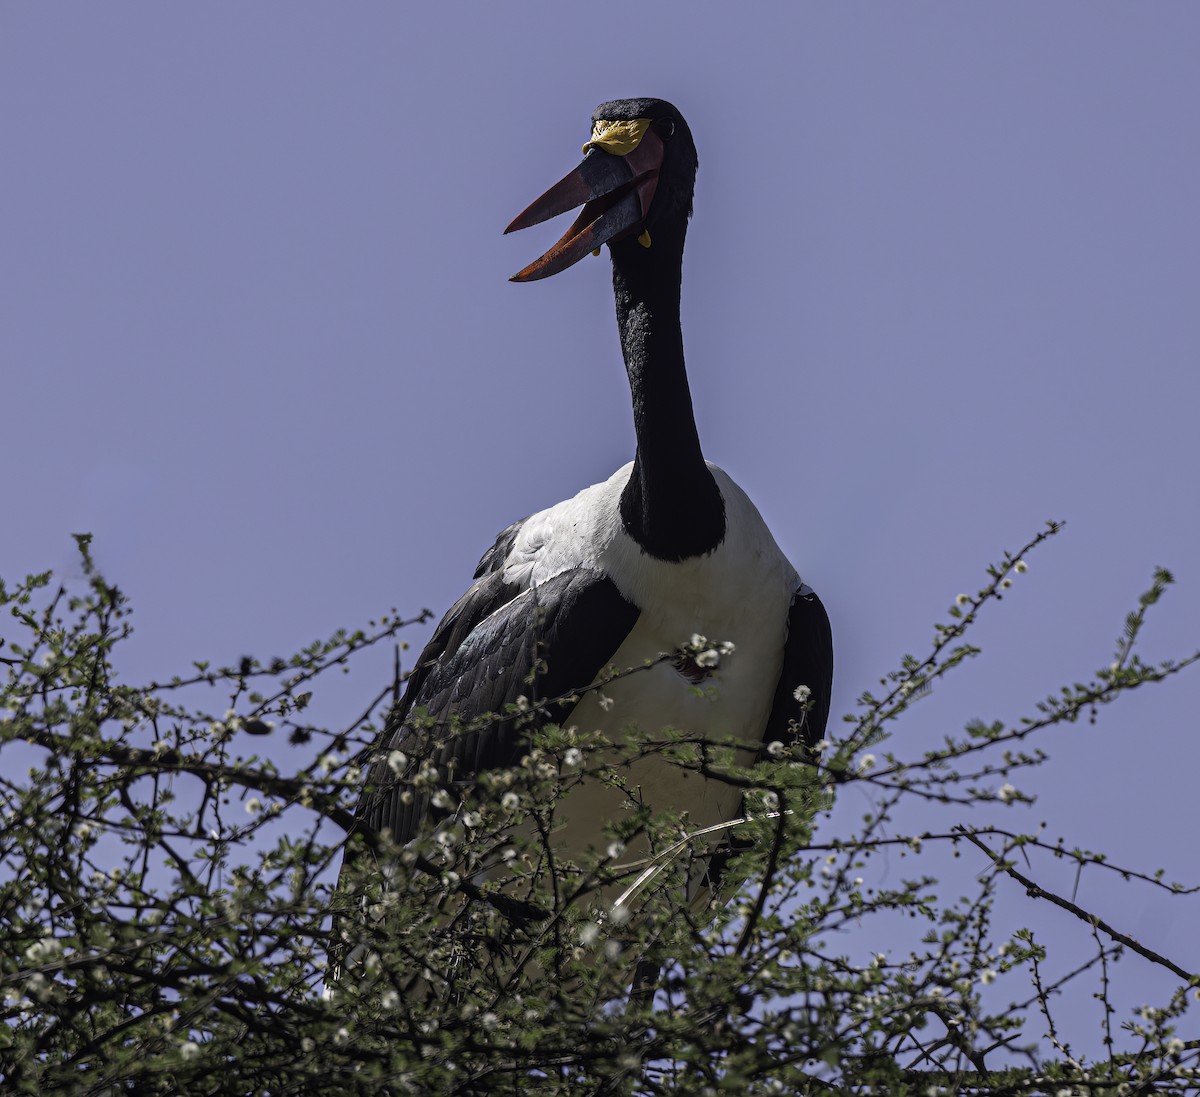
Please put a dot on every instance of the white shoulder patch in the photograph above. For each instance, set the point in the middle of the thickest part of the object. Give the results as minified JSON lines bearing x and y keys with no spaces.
{"x":571,"y":534}
{"x":746,"y":569}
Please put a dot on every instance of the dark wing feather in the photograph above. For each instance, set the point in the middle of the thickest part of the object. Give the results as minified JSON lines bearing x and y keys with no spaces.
{"x":807,"y":661}
{"x":481,"y":659}
{"x":486,"y":595}
{"x":495,"y":557}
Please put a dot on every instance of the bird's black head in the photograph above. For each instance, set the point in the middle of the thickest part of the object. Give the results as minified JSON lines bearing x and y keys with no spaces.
{"x":677,"y":176}
{"x":637,"y":176}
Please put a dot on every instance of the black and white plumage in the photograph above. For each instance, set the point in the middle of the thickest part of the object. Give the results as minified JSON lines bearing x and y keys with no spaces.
{"x":628,"y":569}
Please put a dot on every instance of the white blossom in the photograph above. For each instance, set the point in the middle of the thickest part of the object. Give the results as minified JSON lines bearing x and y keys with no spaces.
{"x":775,"y":748}
{"x":572,"y":757}
{"x":802,"y":694}
{"x":1006,"y":793}
{"x":189,"y":1049}
{"x":708,"y":658}
{"x":698,"y":641}
{"x":510,"y":801}
{"x":441,"y":799}
{"x":397,"y":762}
{"x":726,"y":647}
{"x":52,"y":949}
{"x":1020,"y":567}
{"x":987,"y":976}
{"x":253,"y":805}
{"x":866,"y":763}
{"x":962,"y":600}
{"x":615,"y":849}
{"x":589,"y":934}
{"x":472,"y":819}
{"x":605,"y":702}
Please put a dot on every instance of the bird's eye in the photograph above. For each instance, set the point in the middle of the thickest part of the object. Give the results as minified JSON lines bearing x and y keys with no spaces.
{"x":665,"y":128}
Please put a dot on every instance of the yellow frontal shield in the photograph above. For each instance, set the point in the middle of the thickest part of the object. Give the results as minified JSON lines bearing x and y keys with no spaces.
{"x":618,"y":138}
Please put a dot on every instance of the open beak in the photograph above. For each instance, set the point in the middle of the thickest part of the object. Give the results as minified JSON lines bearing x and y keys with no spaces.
{"x":615,"y":192}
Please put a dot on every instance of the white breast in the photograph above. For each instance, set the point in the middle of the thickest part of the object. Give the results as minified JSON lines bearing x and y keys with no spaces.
{"x":741,"y":593}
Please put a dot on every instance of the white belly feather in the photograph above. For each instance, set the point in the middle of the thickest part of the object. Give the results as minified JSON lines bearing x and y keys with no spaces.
{"x":741,"y":592}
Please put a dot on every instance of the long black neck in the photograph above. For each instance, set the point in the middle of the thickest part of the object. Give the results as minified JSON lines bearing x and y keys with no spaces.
{"x":671,"y":505}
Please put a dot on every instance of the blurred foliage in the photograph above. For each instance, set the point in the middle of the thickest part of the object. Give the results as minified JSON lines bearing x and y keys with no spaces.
{"x":169,"y":897}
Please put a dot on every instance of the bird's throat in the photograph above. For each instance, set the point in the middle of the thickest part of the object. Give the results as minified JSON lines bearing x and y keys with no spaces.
{"x":671,"y":505}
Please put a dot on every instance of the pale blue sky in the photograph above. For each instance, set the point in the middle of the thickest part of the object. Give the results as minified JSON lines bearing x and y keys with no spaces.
{"x":942,"y":284}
